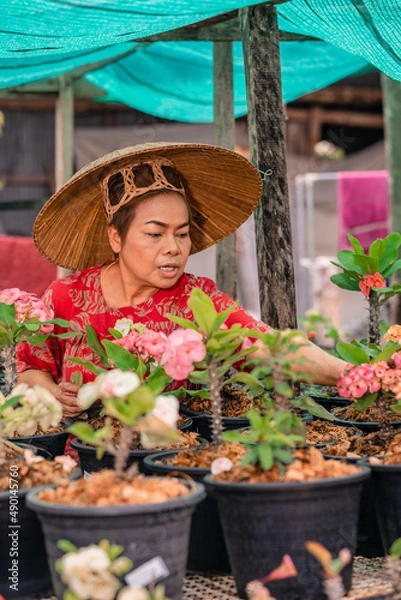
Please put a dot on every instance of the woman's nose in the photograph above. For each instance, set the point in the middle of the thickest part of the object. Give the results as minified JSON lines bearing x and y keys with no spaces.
{"x":172,"y":246}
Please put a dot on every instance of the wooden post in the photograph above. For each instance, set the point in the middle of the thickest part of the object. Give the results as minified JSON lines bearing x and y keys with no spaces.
{"x":64,"y":139}
{"x":392,"y":130}
{"x":260,"y":39}
{"x":224,"y":135}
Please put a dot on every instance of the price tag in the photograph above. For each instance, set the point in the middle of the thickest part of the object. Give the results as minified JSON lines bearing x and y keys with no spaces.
{"x":149,"y":572}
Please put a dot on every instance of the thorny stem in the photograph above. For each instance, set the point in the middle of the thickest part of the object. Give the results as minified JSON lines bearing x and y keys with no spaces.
{"x":282,"y":402}
{"x":8,"y":356}
{"x":334,"y":588}
{"x":382,"y":404}
{"x":393,"y":572}
{"x":2,"y":446}
{"x":121,"y":452}
{"x":374,"y":319}
{"x":215,"y":403}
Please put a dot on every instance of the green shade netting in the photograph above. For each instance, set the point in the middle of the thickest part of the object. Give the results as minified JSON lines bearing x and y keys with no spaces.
{"x":144,"y":79}
{"x":44,"y":38}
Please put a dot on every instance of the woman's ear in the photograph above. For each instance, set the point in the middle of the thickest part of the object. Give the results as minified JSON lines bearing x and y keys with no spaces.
{"x":114,"y":239}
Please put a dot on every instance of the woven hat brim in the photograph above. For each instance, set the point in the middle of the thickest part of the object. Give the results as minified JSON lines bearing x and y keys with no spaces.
{"x":223,"y":187}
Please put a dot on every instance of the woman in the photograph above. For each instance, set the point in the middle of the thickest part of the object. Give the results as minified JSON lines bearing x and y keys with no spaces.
{"x":128,"y":222}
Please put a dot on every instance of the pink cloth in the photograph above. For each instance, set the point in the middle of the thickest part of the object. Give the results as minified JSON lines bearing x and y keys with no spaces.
{"x":23,"y":267}
{"x":363,"y":206}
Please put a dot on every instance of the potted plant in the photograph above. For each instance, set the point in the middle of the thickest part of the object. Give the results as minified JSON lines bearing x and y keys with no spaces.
{"x":25,"y":318}
{"x":133,"y":348}
{"x":149,"y":516}
{"x":279,"y":497}
{"x":23,"y":566}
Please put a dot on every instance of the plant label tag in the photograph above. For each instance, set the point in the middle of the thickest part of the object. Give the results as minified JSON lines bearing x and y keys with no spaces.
{"x":149,"y":572}
{"x":86,"y":475}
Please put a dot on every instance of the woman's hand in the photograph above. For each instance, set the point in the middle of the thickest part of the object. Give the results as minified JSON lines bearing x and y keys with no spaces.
{"x":67,"y":394}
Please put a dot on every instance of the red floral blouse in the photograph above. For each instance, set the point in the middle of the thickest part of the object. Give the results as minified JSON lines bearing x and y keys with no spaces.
{"x":78,"y":298}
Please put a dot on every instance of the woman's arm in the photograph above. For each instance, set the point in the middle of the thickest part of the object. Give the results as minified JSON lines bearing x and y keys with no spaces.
{"x":64,"y":392}
{"x":323,"y":367}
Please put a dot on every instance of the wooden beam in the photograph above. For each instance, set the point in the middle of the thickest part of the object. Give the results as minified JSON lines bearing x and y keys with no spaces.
{"x":260,"y":37}
{"x":224,"y":135}
{"x":64,"y":139}
{"x":392,"y":132}
{"x":360,"y":96}
{"x":337,"y":117}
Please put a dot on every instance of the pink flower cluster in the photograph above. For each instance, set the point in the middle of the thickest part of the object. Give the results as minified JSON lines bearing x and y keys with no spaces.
{"x":176,"y":353}
{"x":28,"y":306}
{"x":355,"y":382}
{"x":150,"y":344}
{"x":183,"y":348}
{"x":368,"y":281}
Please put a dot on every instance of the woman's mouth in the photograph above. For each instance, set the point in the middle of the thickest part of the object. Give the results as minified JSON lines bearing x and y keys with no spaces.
{"x":169,"y":270}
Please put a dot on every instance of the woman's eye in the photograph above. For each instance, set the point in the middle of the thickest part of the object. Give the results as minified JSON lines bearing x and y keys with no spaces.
{"x":183,"y":235}
{"x":154,"y":235}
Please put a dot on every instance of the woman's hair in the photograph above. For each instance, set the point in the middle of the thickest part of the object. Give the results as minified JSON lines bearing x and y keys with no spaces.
{"x":144,"y":177}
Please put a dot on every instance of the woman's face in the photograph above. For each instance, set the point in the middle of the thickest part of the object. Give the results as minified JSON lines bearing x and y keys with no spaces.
{"x":157,"y":245}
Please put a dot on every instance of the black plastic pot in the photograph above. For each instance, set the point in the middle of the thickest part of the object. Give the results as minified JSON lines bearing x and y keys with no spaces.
{"x":202,"y":422}
{"x":145,"y":531}
{"x":369,"y":543}
{"x":262,"y":522}
{"x":333,"y":402}
{"x":90,"y":464}
{"x":386,"y":492}
{"x":54,"y":443}
{"x":23,"y":543}
{"x":207,"y":552}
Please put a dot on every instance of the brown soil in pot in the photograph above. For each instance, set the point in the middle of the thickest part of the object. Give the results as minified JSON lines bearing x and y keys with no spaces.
{"x":351,"y":442}
{"x":309,"y":464}
{"x":60,"y":427}
{"x":234,"y":402}
{"x":204,"y":457}
{"x":31,"y":475}
{"x":370,"y":414}
{"x":106,"y":489}
{"x":187,"y":438}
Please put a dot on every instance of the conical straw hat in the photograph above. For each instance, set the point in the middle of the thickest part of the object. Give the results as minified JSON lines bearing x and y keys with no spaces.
{"x":223,"y":189}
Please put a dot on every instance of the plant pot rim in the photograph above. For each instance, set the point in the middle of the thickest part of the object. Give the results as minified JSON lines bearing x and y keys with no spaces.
{"x":286,"y":486}
{"x":193,"y":414}
{"x":77,"y":445}
{"x":150,"y":460}
{"x":52,"y":508}
{"x":23,"y":438}
{"x":363,"y":425}
{"x":374,"y":467}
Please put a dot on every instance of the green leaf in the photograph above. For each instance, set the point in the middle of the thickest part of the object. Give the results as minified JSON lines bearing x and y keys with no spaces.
{"x":115,"y":333}
{"x":391,"y":269}
{"x":32,"y":325}
{"x":36,"y":340}
{"x":11,"y":402}
{"x":283,"y":456}
{"x":77,"y":378}
{"x":66,"y":546}
{"x":344,"y":282}
{"x":185,"y":323}
{"x":395,"y":548}
{"x":365,"y":401}
{"x":355,"y":244}
{"x":203,"y":309}
{"x":66,"y":335}
{"x":90,"y":366}
{"x":60,"y":322}
{"x":223,"y":316}
{"x":95,"y":345}
{"x":284,"y":389}
{"x":368,"y":264}
{"x":352,"y":354}
{"x":346,"y":258}
{"x":265,"y":452}
{"x":121,"y":357}
{"x":389,"y":349}
{"x":7,"y":313}
{"x":84,"y":431}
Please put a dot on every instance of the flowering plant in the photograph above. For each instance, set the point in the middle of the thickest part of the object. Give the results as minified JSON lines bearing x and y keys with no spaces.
{"x":23,"y":317}
{"x":373,"y":374}
{"x":94,"y":572}
{"x":368,"y":273}
{"x":24,"y":410}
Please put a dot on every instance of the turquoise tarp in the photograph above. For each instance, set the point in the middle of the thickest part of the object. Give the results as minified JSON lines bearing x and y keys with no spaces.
{"x":44,"y":38}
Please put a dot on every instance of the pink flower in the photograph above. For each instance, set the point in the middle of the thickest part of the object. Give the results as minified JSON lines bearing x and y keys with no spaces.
{"x":9,"y":295}
{"x":151,"y":343}
{"x":220,"y":465}
{"x":368,"y":281}
{"x":129,"y":341}
{"x":397,"y":359}
{"x":183,"y":348}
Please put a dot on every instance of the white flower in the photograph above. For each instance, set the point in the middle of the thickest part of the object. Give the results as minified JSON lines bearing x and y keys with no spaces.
{"x":26,"y":428}
{"x":51,"y":409}
{"x":124,"y":326}
{"x":167,"y":410}
{"x":219,"y":465}
{"x":31,"y":458}
{"x":117,"y":384}
{"x":66,"y":462}
{"x":94,"y":557}
{"x":88,"y":394}
{"x":85,"y":573}
{"x":133,"y":592}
